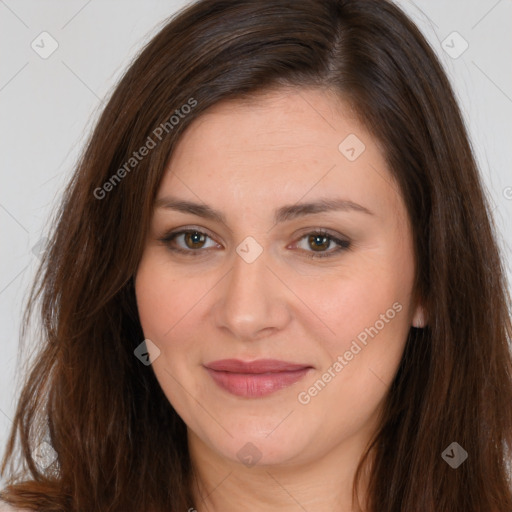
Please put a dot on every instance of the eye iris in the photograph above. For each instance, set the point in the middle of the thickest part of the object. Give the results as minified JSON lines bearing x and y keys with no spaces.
{"x":195,"y":238}
{"x":319,"y":241}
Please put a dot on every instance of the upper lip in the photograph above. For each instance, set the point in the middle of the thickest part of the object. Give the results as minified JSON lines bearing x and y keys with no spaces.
{"x":258,"y":366}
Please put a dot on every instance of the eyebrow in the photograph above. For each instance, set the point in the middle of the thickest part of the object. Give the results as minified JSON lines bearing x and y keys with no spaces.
{"x":283,"y":214}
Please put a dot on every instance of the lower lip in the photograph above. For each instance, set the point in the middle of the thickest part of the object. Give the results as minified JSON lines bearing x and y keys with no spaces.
{"x":254,"y":385}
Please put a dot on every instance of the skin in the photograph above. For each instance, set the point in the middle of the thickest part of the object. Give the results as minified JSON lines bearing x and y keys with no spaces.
{"x":247,"y":159}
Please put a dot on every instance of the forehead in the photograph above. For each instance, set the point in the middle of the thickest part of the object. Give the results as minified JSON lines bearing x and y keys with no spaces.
{"x":278,"y":147}
{"x":289,"y":123}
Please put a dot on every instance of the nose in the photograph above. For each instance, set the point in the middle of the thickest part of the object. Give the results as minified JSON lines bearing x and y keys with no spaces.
{"x":253,"y":303}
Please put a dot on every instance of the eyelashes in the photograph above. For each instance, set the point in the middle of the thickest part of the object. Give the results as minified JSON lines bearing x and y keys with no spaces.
{"x":170,"y":238}
{"x":319,"y":238}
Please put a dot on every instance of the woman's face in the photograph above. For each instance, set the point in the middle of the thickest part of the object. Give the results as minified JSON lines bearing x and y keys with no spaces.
{"x":276,"y":343}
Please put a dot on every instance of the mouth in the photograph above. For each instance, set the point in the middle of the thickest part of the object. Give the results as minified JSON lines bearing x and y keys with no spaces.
{"x":255,"y":379}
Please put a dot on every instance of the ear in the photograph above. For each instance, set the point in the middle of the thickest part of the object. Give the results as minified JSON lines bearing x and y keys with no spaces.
{"x":419,"y":319}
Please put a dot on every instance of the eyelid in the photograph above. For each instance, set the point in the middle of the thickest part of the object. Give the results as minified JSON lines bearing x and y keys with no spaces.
{"x":181,"y":229}
{"x":170,"y":235}
{"x":343,"y":243}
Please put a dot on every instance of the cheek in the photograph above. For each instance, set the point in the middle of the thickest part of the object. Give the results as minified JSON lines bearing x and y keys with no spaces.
{"x":367,"y":315}
{"x":173,"y":315}
{"x":361,"y":359}
{"x":164,"y":300}
{"x":349,"y":304}
{"x":166,"y":307}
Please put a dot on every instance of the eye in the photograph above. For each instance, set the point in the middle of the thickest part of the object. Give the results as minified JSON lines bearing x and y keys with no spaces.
{"x":191,"y":241}
{"x":320,"y":241}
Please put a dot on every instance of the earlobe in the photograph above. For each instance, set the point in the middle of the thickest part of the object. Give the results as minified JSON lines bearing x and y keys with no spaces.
{"x":419,"y":320}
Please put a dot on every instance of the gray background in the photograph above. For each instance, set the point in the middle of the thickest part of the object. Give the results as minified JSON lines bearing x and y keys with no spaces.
{"x":49,"y":105}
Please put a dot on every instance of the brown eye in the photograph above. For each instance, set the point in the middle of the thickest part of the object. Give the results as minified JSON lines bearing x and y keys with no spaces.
{"x":194,"y":239}
{"x":317,"y":244}
{"x":188,"y":241}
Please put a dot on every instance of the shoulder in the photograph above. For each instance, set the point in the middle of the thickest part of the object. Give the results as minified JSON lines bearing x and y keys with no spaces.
{"x":5,"y":507}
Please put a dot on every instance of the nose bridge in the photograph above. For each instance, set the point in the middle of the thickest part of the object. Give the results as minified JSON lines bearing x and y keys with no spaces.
{"x":253,"y":300}
{"x":249,"y":274}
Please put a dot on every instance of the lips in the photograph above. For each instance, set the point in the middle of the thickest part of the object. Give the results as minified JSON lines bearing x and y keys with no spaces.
{"x":253,"y":379}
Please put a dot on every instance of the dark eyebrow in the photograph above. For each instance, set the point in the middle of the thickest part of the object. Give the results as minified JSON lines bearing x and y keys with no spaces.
{"x":285,"y":213}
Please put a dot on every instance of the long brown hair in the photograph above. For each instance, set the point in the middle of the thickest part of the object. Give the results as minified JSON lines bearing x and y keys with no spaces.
{"x":119,"y":443}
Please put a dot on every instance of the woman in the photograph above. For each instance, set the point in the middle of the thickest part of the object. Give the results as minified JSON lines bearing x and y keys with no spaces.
{"x":274,"y":282}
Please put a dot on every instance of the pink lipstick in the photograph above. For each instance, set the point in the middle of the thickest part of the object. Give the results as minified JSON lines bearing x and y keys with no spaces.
{"x":255,"y":378}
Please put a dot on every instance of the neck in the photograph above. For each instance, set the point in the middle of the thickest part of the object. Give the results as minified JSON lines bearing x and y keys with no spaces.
{"x":323,"y":485}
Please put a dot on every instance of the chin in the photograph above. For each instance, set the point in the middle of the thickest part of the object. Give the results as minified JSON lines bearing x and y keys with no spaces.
{"x":252,"y":446}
